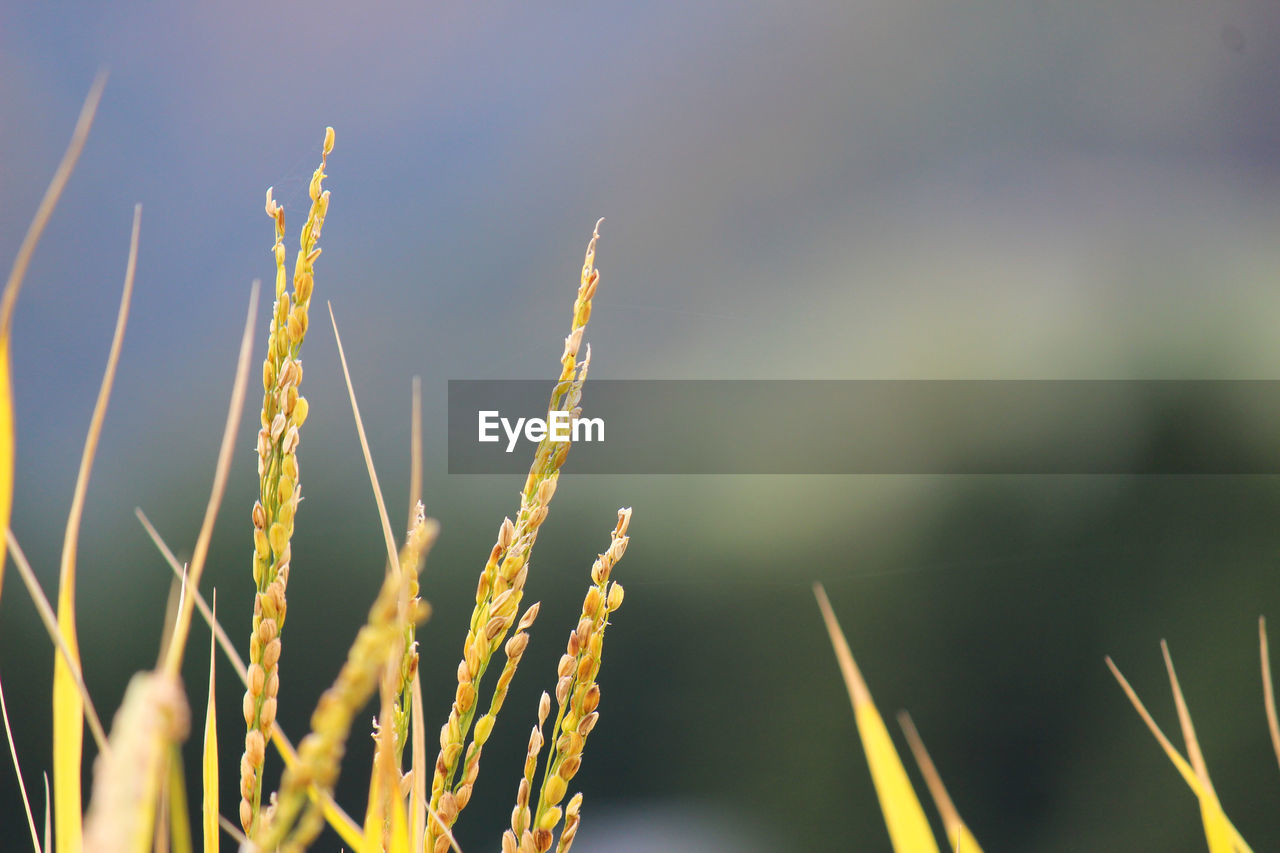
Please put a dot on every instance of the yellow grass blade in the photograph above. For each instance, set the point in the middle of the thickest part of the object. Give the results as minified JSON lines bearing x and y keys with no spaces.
{"x":959,"y":838}
{"x":908,"y":827}
{"x":209,"y":763}
{"x":1216,"y":830}
{"x":1206,"y":798}
{"x":51,"y":626}
{"x":14,"y":284}
{"x":182,"y":625}
{"x":418,"y":793}
{"x":17,"y":769}
{"x":68,"y":707}
{"x":179,"y":816}
{"x":1268,"y":691}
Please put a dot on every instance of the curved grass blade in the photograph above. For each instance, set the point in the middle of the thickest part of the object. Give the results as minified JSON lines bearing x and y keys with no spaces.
{"x":1268,"y":691}
{"x":182,"y":624}
{"x":14,"y":284}
{"x":903,"y":816}
{"x":68,"y":707}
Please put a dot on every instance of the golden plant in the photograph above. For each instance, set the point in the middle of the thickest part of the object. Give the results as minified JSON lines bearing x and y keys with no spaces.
{"x":138,"y":799}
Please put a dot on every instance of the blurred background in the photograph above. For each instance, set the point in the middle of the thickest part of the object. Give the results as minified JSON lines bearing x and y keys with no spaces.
{"x":991,"y":190}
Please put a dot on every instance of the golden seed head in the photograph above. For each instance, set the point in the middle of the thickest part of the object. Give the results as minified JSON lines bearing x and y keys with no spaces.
{"x":268,"y":715}
{"x":526,"y":621}
{"x":509,"y":842}
{"x":248,"y":708}
{"x":544,"y":708}
{"x":555,"y":790}
{"x":506,"y":534}
{"x":516,"y":645}
{"x":254,"y":747}
{"x":271,"y":654}
{"x":328,"y":141}
{"x":584,"y":667}
{"x":562,"y":689}
{"x":290,"y":444}
{"x":569,"y":768}
{"x":588,"y":723}
{"x":273,"y":685}
{"x":592,"y":700}
{"x":465,"y":697}
{"x":463,"y":795}
{"x":484,"y":727}
{"x":567,"y":662}
{"x":550,"y":817}
{"x":495,"y":627}
{"x":448,"y":808}
{"x":615,"y":596}
{"x":257,"y":679}
{"x":591,"y":604}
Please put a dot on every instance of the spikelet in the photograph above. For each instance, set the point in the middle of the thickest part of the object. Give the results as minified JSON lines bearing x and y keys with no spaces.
{"x":578,"y":696}
{"x":320,"y":752}
{"x":501,"y":585}
{"x":283,"y":413}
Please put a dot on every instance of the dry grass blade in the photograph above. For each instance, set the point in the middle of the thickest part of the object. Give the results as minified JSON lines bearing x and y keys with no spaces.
{"x":1268,"y":690}
{"x":48,"y":816}
{"x":908,"y":827}
{"x":958,"y":835}
{"x":387,"y":535}
{"x":51,"y":626}
{"x":68,"y":707}
{"x":215,"y":626}
{"x":17,"y":769}
{"x":59,"y":182}
{"x":182,"y":626}
{"x":1216,"y":830}
{"x":415,"y":451}
{"x":233,"y":830}
{"x":418,"y":791}
{"x":1184,"y":768}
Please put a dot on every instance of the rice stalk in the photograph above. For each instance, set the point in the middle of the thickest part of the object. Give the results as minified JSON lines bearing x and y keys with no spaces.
{"x":501,"y":585}
{"x":283,"y":413}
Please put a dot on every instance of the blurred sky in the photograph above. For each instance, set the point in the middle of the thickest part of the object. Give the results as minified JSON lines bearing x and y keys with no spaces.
{"x":920,"y":189}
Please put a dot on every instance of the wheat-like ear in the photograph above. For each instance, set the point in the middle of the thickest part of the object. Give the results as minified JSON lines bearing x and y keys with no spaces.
{"x":283,"y":413}
{"x":502,"y":581}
